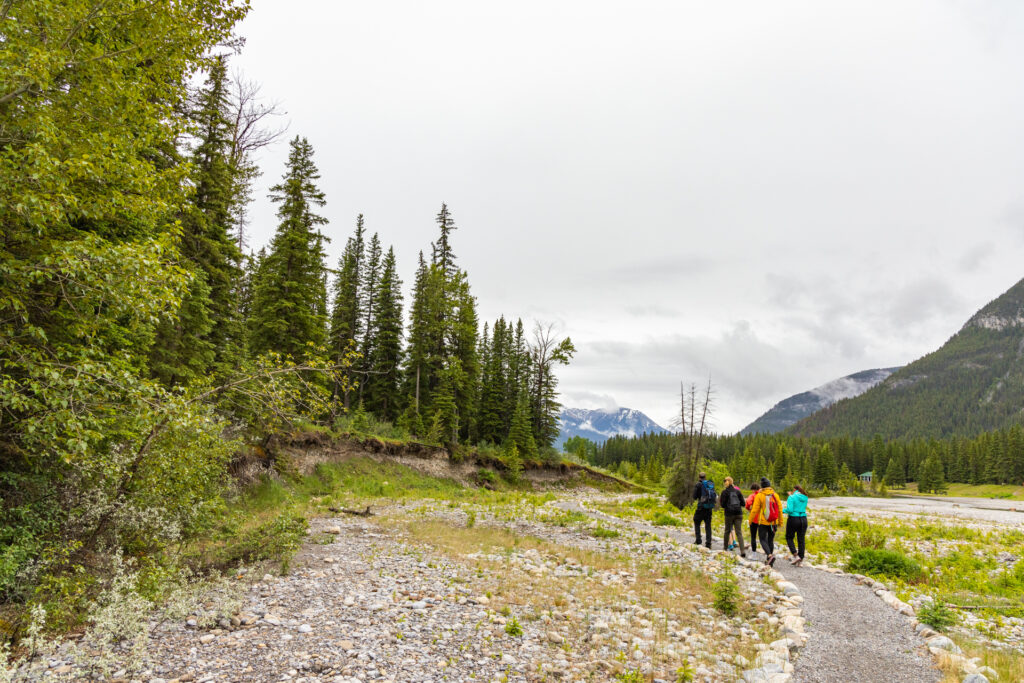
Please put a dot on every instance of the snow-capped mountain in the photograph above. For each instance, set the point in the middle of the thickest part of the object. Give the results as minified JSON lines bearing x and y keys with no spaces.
{"x":796,"y":408}
{"x":600,"y":425}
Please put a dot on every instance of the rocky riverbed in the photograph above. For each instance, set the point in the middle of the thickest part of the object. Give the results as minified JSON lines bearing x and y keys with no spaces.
{"x":429,"y":592}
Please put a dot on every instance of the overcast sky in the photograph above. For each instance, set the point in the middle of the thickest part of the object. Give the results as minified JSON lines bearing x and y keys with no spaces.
{"x":770,"y":194}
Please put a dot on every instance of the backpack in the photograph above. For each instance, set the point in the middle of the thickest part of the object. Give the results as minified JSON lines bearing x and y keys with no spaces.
{"x":771,"y":509}
{"x":707,"y":494}
{"x":732,"y":501}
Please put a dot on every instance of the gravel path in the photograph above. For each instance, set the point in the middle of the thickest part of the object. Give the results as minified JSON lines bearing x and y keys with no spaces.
{"x":854,"y":637}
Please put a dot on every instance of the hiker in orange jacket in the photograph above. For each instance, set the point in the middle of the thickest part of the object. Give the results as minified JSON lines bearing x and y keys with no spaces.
{"x":754,"y":488}
{"x":766,"y":510}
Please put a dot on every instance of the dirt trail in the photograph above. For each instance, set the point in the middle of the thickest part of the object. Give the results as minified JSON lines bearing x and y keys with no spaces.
{"x":853,"y":636}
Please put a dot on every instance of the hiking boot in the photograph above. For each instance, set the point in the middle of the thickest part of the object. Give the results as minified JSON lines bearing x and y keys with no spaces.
{"x":743,"y":555}
{"x":697,"y":542}
{"x":771,"y":560}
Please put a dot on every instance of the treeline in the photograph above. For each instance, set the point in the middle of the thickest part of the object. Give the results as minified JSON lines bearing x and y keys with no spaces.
{"x":140,"y":350}
{"x":444,"y":382}
{"x":833,"y":463}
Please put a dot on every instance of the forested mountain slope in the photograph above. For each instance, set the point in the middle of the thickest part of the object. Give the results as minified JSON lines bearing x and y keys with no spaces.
{"x":797,"y":407}
{"x":973,"y":383}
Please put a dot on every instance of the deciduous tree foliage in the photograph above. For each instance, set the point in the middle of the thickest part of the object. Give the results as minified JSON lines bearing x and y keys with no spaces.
{"x":91,"y":95}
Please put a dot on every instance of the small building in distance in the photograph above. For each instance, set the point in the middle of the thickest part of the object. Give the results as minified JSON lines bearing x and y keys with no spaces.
{"x":865,"y":477}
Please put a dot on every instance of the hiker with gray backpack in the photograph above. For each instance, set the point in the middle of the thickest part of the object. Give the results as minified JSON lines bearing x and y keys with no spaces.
{"x":733,"y":503}
{"x":704,"y":494}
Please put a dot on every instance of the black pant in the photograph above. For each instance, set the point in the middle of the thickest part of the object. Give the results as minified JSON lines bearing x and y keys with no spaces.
{"x":796,"y":526}
{"x":766,"y":532}
{"x":702,"y":515}
{"x":753,"y":537}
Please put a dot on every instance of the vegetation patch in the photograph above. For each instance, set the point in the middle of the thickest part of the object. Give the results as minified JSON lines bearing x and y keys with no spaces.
{"x":884,"y":563}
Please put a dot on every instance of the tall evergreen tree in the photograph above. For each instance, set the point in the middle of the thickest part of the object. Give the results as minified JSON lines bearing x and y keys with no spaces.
{"x":367,"y":306}
{"x":893,"y":474}
{"x":418,"y":352}
{"x":207,"y":331}
{"x":382,"y":381}
{"x":493,"y":418}
{"x":289,"y":297}
{"x":520,"y":434}
{"x":825,"y":470}
{"x":345,"y":327}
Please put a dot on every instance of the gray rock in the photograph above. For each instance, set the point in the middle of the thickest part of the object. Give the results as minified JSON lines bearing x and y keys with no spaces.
{"x":943,"y":643}
{"x":976,"y":678}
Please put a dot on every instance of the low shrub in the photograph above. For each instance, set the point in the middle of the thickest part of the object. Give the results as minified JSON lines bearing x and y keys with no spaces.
{"x":603,"y":532}
{"x":277,"y":539}
{"x":664,"y":519}
{"x":888,"y":563}
{"x":727,"y":593}
{"x":631,"y":676}
{"x":513,"y":628}
{"x":938,"y":615}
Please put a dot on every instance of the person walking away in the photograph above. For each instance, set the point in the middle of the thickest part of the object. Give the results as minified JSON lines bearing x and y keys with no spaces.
{"x":767,"y":510}
{"x":796,"y":523}
{"x":704,"y":494}
{"x":732,"y":505}
{"x":754,"y":488}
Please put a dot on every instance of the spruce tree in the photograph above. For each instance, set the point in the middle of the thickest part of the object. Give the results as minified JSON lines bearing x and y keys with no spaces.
{"x":878,"y":457}
{"x":367,"y":306}
{"x":345,"y":318}
{"x":382,"y":381}
{"x":894,"y":474}
{"x":207,"y":331}
{"x":825,"y":470}
{"x":521,"y":432}
{"x":780,"y":466}
{"x":418,"y":352}
{"x":345,"y":323}
{"x":289,"y":298}
{"x":493,"y":420}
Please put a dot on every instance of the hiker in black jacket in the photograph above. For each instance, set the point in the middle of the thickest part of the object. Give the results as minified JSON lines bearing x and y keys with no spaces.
{"x":704,"y":494}
{"x":733,"y":504}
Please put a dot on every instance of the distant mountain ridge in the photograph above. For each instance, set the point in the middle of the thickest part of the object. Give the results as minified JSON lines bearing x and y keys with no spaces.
{"x":795,"y":408}
{"x":601,"y":425}
{"x":972,"y":384}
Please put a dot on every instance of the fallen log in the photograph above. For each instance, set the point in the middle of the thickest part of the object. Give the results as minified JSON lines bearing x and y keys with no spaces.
{"x":357,"y":513}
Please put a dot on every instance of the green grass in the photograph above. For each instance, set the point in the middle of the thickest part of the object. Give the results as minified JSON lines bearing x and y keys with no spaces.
{"x":996,"y":491}
{"x":276,"y":508}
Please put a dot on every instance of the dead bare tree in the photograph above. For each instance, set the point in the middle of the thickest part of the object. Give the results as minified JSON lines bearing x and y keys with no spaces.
{"x":546,"y":351}
{"x":252,"y":129}
{"x":693,"y":424}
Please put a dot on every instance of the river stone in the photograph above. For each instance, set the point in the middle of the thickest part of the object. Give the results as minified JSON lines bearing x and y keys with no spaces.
{"x":943,"y":643}
{"x":976,"y":678}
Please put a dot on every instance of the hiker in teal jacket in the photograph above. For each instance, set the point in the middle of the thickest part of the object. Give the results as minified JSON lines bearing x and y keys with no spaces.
{"x":796,"y":523}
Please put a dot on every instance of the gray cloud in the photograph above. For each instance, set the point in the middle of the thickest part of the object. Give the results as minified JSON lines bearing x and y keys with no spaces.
{"x":975,"y":257}
{"x":776,"y":196}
